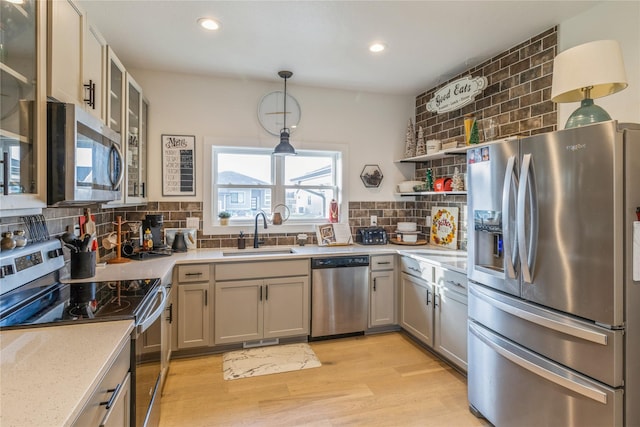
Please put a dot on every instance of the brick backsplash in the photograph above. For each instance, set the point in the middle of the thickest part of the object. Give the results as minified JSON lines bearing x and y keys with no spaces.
{"x":518,"y":96}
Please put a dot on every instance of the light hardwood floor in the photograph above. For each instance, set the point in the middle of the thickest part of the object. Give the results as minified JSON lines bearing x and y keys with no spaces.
{"x":376,"y":380}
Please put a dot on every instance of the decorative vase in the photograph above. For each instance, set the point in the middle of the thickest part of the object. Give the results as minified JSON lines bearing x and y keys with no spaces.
{"x":224,"y":221}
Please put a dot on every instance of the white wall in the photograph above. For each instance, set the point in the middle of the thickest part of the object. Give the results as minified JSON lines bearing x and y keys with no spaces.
{"x":372,"y":125}
{"x":617,"y":20}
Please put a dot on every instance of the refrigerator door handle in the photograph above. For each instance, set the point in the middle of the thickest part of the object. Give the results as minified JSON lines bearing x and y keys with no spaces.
{"x":527,"y":247}
{"x":545,"y":322}
{"x":540,"y":371}
{"x":510,"y":256}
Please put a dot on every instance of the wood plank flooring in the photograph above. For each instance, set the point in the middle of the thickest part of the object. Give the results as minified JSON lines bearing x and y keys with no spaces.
{"x":376,"y":380}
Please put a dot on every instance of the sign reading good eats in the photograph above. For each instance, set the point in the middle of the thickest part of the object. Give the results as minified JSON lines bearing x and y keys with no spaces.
{"x":456,"y":94}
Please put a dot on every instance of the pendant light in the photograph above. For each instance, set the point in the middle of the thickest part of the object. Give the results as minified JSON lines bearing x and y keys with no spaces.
{"x":284,"y":148}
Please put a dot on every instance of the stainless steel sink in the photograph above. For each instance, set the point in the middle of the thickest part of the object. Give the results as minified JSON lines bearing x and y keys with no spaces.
{"x":258,"y":252}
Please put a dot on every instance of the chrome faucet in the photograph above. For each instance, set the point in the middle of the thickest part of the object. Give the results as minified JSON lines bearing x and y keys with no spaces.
{"x":256,"y":242}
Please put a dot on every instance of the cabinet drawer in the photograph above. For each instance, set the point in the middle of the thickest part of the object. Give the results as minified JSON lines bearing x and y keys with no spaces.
{"x":193,"y":273}
{"x":383,"y":262}
{"x":417,"y":268}
{"x":261,"y":269}
{"x":451,"y":280}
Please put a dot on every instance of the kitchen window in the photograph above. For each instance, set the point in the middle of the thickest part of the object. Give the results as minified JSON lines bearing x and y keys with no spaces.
{"x":247,"y":180}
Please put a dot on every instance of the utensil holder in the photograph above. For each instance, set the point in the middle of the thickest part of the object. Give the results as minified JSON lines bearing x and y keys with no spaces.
{"x":83,"y":265}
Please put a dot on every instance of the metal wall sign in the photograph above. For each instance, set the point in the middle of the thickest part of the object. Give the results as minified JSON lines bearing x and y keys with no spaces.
{"x":456,"y":94}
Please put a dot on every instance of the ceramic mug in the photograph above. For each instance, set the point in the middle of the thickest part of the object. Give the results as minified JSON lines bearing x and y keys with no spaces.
{"x":110,"y":241}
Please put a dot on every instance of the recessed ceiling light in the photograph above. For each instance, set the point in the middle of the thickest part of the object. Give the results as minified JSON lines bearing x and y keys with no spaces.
{"x":209,"y":24}
{"x":377,"y":47}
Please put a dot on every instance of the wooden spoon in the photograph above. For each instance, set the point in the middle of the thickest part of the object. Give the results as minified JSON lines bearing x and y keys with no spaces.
{"x":90,"y":225}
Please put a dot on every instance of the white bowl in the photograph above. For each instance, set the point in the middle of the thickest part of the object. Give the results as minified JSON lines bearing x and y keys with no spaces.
{"x":407,"y":226}
{"x":407,"y":186}
{"x":410,"y":238}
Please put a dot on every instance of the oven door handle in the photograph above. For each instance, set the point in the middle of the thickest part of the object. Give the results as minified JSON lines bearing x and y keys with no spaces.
{"x":148,"y":321}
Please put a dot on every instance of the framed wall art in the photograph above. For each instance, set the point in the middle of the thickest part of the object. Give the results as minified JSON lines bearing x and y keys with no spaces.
{"x":178,"y":165}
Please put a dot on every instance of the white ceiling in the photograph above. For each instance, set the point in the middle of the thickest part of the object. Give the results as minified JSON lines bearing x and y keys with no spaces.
{"x":324,"y":43}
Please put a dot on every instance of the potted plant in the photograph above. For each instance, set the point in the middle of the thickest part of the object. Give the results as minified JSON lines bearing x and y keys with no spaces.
{"x":224,"y":217}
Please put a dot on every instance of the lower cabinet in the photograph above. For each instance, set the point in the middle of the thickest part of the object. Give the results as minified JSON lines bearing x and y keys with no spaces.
{"x":416,"y":307}
{"x":434,"y":308}
{"x":451,"y":326}
{"x":110,"y":403}
{"x":195,"y":314}
{"x":382,"y":292}
{"x":248,"y":310}
{"x":451,"y":316}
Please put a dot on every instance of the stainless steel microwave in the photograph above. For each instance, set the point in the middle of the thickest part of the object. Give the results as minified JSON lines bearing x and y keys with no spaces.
{"x":84,"y":157}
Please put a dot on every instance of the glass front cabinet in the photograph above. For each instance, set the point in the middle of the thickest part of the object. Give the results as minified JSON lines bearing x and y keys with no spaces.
{"x":23,"y":104}
{"x":136,"y":149}
{"x":127,"y":113}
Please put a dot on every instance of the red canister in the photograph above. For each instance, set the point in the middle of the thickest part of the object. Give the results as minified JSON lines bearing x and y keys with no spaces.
{"x":443,"y":184}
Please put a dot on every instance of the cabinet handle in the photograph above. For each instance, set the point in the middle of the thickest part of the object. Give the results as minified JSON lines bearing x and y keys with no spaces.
{"x":266,"y":292}
{"x":5,"y":173}
{"x":260,"y":293}
{"x":458,"y":284}
{"x":206,"y":297}
{"x":374,"y":283}
{"x":170,"y":309}
{"x":383,"y":262}
{"x":194,"y":274}
{"x":91,"y":101}
{"x":435,"y":299}
{"x":428,"y":295}
{"x":109,"y":402}
{"x":142,"y":191}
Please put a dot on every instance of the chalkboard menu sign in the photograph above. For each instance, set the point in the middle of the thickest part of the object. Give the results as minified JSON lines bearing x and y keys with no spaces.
{"x":178,"y":165}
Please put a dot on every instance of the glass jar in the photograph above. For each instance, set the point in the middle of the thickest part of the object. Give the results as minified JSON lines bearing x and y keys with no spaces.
{"x":20,"y":238}
{"x":7,"y":243}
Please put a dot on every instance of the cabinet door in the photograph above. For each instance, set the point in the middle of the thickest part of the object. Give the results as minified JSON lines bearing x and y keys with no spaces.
{"x":119,"y":415}
{"x":133,"y":183}
{"x":451,"y":326}
{"x":115,"y":92}
{"x":286,"y":307}
{"x":383,"y":298}
{"x":23,"y":114}
{"x":238,"y":311}
{"x":416,"y":307}
{"x":194,"y":315}
{"x":94,"y":72}
{"x":66,"y":31}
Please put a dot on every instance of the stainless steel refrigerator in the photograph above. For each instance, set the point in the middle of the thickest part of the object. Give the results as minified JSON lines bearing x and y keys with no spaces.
{"x":554,"y":312}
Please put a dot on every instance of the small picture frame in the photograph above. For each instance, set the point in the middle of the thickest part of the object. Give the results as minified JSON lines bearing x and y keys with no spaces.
{"x":371,"y":176}
{"x":178,"y":165}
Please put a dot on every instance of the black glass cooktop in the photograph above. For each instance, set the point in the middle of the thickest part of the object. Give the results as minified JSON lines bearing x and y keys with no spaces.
{"x":61,"y":303}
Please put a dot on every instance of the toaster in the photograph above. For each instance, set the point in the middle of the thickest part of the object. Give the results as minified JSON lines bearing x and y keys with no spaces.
{"x":372,"y":236}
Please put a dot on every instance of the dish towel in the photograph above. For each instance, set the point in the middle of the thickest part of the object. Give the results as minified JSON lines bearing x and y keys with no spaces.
{"x":636,"y":251}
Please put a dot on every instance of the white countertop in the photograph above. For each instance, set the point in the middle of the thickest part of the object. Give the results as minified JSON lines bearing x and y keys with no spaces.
{"x":162,"y":266}
{"x":47,"y":374}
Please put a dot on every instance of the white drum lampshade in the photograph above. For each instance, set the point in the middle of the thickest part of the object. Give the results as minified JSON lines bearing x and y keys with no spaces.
{"x":588,"y":71}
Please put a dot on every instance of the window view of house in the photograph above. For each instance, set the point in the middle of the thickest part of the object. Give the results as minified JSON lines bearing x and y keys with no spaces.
{"x":247,"y":181}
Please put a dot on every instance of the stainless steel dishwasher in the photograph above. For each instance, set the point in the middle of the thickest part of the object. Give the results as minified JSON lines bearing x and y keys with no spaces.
{"x":339,"y":295}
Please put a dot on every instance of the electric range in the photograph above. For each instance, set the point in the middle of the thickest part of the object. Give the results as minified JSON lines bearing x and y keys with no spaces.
{"x":31,"y":293}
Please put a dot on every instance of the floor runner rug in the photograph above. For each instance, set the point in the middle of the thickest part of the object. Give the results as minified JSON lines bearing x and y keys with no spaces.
{"x":268,"y":360}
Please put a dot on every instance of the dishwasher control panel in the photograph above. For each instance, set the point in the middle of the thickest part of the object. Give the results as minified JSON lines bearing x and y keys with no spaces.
{"x":340,"y":261}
